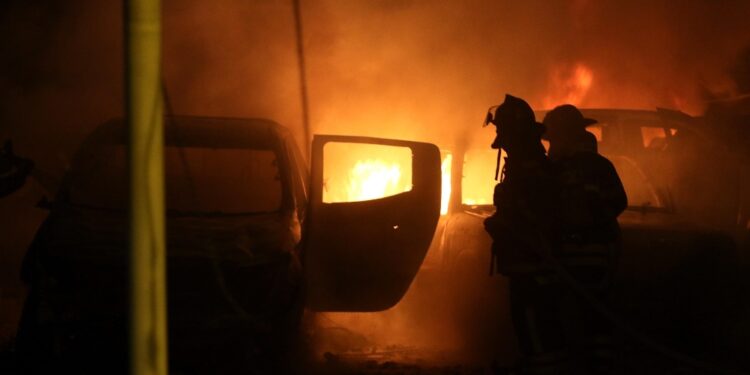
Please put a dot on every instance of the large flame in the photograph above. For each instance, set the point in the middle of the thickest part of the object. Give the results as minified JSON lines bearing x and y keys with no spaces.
{"x":383,"y":174}
{"x":367,"y":179}
{"x":568,"y":85}
{"x":373,"y":179}
{"x":359,"y":172}
{"x":445,"y":168}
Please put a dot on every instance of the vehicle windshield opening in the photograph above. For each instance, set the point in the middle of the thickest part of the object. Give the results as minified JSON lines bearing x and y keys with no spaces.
{"x":198,"y":180}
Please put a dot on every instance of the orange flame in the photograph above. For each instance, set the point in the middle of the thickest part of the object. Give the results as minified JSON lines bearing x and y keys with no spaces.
{"x":361,"y":172}
{"x":373,"y":179}
{"x":569,"y":85}
{"x":445,"y":168}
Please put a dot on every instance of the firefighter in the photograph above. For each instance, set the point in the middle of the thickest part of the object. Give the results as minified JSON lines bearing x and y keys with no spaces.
{"x":583,"y":171}
{"x":591,"y":198}
{"x":524,"y":229}
{"x":13,"y":170}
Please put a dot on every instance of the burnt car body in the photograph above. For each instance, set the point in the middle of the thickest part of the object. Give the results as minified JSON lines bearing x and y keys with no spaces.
{"x":250,"y":242}
{"x":678,"y":278}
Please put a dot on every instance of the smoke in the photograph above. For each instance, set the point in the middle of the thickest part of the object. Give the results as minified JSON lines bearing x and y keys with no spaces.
{"x":740,"y":72}
{"x":428,"y":70}
{"x":62,"y":76}
{"x":412,"y":69}
{"x":415,"y":69}
{"x":434,"y":67}
{"x":232,"y":58}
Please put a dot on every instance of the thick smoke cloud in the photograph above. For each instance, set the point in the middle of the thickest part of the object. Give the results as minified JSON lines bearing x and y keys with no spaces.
{"x":416,"y":69}
{"x":437,"y":65}
{"x":397,"y":68}
{"x":740,"y":72}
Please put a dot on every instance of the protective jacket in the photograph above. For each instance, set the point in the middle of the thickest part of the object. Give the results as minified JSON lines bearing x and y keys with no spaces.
{"x":591,"y":198}
{"x":524,"y":222}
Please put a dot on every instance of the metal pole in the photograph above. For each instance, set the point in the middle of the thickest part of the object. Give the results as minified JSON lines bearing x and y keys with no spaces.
{"x":143,"y":108}
{"x":302,"y":75}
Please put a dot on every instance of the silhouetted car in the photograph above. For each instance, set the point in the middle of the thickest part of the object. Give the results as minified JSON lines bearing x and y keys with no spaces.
{"x":250,"y":242}
{"x":677,"y":278}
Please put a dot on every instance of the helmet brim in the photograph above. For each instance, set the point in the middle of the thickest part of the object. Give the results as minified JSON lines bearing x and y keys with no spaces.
{"x":588,"y":122}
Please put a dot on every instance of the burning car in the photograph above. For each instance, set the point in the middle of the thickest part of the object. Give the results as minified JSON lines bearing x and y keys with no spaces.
{"x":678,"y":276}
{"x":252,"y":239}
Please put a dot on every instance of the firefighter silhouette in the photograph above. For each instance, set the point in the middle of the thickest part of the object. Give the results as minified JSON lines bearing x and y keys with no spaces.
{"x":13,"y":170}
{"x":524,"y":230}
{"x":591,"y":197}
{"x":588,"y":180}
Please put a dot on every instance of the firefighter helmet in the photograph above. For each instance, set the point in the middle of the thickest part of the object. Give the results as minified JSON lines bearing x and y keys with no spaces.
{"x":565,"y":121}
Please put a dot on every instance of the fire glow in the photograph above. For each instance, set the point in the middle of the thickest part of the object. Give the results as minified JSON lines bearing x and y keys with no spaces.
{"x":373,"y":179}
{"x":569,"y":85}
{"x":445,"y":169}
{"x":361,"y":172}
{"x":385,"y":171}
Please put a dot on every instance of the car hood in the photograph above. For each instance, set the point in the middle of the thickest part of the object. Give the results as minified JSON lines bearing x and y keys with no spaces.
{"x":636,"y":220}
{"x":94,"y":234}
{"x":654,"y":219}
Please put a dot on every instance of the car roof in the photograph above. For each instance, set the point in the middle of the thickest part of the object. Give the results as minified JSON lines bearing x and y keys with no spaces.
{"x":219,"y":132}
{"x":625,"y":116}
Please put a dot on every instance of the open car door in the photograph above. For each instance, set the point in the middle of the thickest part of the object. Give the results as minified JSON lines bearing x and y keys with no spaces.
{"x":363,"y":255}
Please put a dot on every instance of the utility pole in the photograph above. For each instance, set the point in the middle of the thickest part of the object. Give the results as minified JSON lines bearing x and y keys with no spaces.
{"x":143,"y":109}
{"x":302,"y":76}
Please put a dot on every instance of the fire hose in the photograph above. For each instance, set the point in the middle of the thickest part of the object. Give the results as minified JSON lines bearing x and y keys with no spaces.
{"x":631,"y":331}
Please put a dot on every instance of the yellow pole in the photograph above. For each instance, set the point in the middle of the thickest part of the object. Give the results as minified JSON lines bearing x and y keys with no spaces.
{"x":302,"y":76}
{"x":143,"y":102}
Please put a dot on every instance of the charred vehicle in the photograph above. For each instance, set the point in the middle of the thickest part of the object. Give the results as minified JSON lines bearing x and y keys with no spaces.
{"x":251,"y":241}
{"x":678,"y":275}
